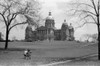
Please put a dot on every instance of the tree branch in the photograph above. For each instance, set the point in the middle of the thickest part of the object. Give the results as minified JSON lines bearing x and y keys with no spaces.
{"x":84,"y":24}
{"x":84,"y":4}
{"x":14,"y":15}
{"x":4,"y":19}
{"x":9,"y":11}
{"x":94,"y":6}
{"x":5,"y":8}
{"x":84,"y":11}
{"x":93,"y":18}
{"x":16,"y":25}
{"x":98,"y":7}
{"x":8,"y":16}
{"x":88,"y":15}
{"x":87,"y":5}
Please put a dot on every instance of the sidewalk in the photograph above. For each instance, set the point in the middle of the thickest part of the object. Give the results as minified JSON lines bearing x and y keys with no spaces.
{"x":91,"y":61}
{"x":87,"y":60}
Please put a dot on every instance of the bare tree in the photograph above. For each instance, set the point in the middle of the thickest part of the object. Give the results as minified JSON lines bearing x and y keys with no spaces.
{"x":11,"y":9}
{"x":89,"y":13}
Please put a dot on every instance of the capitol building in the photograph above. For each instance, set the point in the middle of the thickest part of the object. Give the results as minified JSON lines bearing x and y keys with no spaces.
{"x":49,"y":31}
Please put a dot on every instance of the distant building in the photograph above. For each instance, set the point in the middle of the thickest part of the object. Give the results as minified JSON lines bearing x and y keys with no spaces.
{"x":49,"y":32}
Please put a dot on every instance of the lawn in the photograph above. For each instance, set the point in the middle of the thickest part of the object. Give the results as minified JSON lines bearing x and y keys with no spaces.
{"x":44,"y":52}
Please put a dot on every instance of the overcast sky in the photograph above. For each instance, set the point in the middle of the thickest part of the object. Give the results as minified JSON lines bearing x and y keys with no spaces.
{"x":59,"y":12}
{"x":58,"y":9}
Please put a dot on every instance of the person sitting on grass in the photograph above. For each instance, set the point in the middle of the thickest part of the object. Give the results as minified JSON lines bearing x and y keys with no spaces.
{"x":27,"y":54}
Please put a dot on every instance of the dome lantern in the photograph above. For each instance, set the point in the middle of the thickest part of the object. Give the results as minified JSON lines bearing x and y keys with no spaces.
{"x":49,"y":17}
{"x":49,"y":13}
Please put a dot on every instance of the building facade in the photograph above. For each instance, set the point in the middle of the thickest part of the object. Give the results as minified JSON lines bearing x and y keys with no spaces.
{"x":49,"y":32}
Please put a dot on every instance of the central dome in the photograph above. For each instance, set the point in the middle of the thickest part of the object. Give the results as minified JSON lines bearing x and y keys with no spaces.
{"x":49,"y":22}
{"x":50,"y":17}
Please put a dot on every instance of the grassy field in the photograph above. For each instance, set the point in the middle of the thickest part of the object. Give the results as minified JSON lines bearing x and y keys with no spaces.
{"x":44,"y":52}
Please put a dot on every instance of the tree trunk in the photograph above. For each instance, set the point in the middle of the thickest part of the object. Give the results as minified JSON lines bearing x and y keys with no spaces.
{"x":98,"y":45}
{"x":7,"y":36}
{"x":98,"y":26}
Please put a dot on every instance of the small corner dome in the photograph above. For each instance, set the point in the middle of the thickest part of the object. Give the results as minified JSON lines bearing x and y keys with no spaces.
{"x":50,"y":17}
{"x":70,"y":27}
{"x":65,"y":23}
